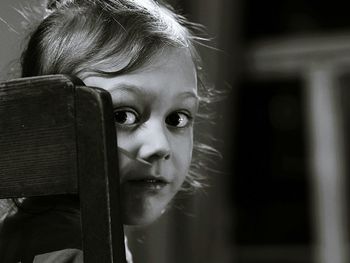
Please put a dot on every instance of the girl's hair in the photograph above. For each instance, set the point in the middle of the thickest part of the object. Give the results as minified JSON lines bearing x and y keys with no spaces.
{"x":76,"y":36}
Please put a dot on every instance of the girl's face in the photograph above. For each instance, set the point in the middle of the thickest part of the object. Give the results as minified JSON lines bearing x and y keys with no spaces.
{"x":154,"y":109}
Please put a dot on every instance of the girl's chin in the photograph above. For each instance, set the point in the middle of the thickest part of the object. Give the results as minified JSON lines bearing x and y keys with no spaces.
{"x":142,"y":210}
{"x":141,"y":215}
{"x":142,"y":205}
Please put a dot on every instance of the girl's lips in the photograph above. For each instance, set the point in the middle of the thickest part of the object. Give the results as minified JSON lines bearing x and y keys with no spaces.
{"x":137,"y":177}
{"x":147,"y":184}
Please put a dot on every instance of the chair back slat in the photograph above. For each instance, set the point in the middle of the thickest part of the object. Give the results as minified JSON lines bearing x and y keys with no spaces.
{"x":37,"y":137}
{"x":57,"y":138}
{"x":99,"y":180}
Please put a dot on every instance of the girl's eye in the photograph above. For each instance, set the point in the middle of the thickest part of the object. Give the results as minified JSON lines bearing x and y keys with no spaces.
{"x":177,"y":119}
{"x":125,"y":117}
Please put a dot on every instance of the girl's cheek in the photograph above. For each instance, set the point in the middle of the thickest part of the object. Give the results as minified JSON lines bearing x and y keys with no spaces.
{"x":184,"y":154}
{"x":125,"y":138}
{"x":122,"y":162}
{"x":125,"y":143}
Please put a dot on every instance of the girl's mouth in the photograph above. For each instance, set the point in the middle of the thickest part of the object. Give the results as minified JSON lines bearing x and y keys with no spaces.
{"x":147,"y":183}
{"x":135,"y":178}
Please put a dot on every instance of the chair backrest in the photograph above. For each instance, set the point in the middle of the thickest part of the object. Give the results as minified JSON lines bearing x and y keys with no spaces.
{"x":57,"y":136}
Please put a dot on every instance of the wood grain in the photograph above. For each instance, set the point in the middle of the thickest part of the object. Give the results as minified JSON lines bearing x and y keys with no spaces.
{"x":37,"y":137}
{"x":99,"y":180}
{"x":58,"y":138}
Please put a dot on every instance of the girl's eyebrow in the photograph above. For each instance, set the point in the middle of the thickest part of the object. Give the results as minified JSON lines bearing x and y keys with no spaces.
{"x":122,"y":88}
{"x":188,"y":95}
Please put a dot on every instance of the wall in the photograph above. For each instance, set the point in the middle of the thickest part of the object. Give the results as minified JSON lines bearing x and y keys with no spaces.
{"x":11,"y":37}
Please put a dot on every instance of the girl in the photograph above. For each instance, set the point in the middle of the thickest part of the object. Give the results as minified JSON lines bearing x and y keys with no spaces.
{"x":143,"y":54}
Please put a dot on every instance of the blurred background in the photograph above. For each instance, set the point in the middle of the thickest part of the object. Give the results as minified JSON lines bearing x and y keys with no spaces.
{"x":282,"y":191}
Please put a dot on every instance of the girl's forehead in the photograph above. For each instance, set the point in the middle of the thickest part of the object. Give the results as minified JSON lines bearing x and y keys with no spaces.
{"x":171,"y":69}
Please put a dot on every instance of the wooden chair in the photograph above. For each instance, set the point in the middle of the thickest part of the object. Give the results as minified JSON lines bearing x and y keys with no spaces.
{"x":57,"y":136}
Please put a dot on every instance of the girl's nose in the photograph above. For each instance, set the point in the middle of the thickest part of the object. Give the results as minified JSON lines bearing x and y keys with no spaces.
{"x":155,"y":143}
